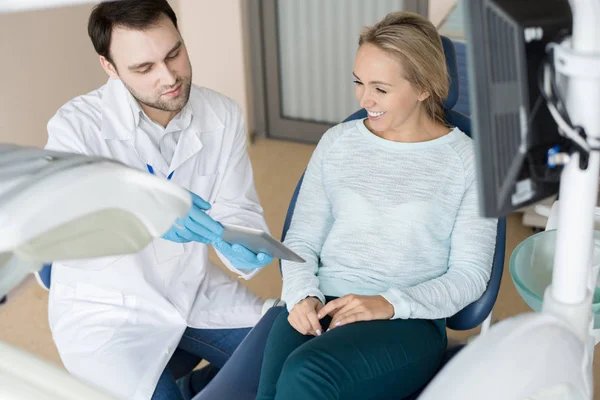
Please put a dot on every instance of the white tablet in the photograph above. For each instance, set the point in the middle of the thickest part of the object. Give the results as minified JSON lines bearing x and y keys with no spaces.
{"x":258,"y":241}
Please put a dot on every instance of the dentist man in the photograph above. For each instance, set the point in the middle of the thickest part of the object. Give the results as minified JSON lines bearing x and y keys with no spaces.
{"x":133,"y":324}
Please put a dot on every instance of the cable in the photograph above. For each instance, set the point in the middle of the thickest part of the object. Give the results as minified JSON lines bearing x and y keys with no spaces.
{"x":586,"y":143}
{"x":555,"y":104}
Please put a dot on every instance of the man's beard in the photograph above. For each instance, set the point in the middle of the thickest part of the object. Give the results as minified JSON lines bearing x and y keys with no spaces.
{"x":163,"y":103}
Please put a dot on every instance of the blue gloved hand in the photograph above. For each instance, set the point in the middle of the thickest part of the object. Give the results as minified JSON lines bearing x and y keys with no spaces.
{"x":197,"y":226}
{"x":242,"y":258}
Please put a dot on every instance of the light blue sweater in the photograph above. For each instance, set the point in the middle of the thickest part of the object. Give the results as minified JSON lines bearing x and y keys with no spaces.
{"x":396,"y":219}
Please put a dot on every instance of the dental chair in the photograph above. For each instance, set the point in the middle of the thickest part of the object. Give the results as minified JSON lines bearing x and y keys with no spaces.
{"x":238,"y":379}
{"x":60,"y":206}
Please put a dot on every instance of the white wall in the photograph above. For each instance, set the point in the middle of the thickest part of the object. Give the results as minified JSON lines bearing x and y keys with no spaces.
{"x":216,"y":36}
{"x":439,"y":9}
{"x":47,"y":58}
{"x":216,"y":39}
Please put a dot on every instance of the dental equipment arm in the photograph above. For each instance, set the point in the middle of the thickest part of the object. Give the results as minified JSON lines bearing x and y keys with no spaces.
{"x":58,"y":206}
{"x":549,"y":355}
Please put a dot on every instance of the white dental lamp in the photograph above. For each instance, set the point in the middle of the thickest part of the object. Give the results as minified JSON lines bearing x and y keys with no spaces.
{"x":57,"y":206}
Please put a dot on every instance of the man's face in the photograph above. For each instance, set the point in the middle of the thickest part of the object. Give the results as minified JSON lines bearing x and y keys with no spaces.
{"x":153,"y":64}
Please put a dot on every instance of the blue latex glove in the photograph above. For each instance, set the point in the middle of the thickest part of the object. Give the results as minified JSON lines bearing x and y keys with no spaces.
{"x":197,"y":226}
{"x":242,"y":258}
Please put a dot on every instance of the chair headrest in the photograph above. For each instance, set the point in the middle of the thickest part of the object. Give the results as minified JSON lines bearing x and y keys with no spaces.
{"x":452,"y":65}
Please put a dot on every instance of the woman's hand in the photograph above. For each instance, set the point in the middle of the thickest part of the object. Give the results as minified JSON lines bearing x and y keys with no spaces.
{"x":353,"y":308}
{"x":303,"y":316}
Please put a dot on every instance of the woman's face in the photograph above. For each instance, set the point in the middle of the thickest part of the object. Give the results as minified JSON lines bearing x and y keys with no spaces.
{"x":383,"y":91}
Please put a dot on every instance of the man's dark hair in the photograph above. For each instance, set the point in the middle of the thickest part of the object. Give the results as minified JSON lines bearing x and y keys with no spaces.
{"x":131,"y":14}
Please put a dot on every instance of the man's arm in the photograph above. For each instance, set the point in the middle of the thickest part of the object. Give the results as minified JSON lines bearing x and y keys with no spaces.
{"x":237,"y":201}
{"x":62,"y":136}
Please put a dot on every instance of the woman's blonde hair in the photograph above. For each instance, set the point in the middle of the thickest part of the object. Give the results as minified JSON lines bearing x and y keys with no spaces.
{"x":415,"y":42}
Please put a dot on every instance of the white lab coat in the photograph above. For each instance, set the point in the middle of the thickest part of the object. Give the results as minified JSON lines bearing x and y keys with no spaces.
{"x":116,"y":321}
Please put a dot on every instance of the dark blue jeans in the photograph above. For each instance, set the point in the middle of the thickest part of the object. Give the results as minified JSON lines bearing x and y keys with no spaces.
{"x":212,"y":345}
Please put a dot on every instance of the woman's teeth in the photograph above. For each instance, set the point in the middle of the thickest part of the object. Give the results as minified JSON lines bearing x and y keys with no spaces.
{"x":375,"y":114}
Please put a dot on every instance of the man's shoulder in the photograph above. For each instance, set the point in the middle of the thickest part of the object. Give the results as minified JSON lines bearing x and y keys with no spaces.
{"x":84,"y":108}
{"x":76,"y":125}
{"x":221,"y":104}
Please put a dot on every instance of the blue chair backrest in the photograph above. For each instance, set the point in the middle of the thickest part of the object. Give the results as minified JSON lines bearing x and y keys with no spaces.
{"x":462,"y":104}
{"x":44,"y":276}
{"x":476,"y":312}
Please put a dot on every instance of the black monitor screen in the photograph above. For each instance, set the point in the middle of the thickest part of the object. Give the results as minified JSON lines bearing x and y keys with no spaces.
{"x":512,"y":127}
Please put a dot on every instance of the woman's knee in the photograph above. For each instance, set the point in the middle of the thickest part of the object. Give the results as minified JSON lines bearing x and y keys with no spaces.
{"x":308,"y":370}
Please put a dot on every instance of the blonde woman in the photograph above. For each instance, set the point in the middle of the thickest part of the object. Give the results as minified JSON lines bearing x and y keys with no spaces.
{"x":387,"y":219}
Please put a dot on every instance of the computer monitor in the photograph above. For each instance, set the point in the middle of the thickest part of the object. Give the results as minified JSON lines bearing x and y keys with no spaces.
{"x":511,"y":125}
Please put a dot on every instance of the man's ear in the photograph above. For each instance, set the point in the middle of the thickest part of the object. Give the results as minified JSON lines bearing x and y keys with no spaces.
{"x":109,"y":68}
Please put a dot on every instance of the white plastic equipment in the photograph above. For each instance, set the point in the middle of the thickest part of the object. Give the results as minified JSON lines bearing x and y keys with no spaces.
{"x":56,"y":206}
{"x":26,"y":5}
{"x":548,"y":355}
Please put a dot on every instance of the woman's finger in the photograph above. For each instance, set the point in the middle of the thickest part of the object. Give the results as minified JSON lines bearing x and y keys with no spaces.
{"x":293,"y":320}
{"x":350,"y":318}
{"x":319,"y":307}
{"x":333,"y":306}
{"x":301,"y":320}
{"x":314,"y":323}
{"x":308,"y":329}
{"x":349,"y":308}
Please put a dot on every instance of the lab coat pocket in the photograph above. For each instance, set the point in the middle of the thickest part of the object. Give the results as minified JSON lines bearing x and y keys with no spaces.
{"x":93,"y":264}
{"x":95,"y":316}
{"x":204,"y":186}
